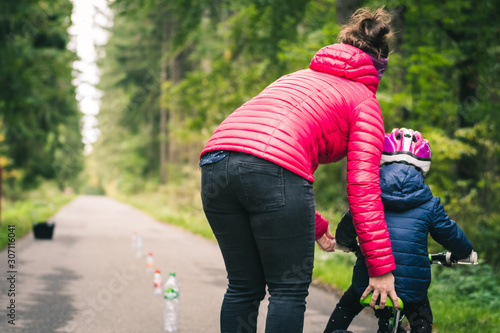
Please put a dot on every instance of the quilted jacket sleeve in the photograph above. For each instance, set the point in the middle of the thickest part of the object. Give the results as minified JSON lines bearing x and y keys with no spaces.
{"x":345,"y":234}
{"x":363,"y":187}
{"x":321,"y":226}
{"x":447,"y":232}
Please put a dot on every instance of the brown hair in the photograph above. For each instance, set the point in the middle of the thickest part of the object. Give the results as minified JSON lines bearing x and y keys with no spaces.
{"x":368,"y":30}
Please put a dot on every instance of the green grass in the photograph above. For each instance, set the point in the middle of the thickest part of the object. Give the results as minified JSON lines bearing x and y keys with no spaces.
{"x":37,"y":206}
{"x":173,"y":209}
{"x":334,"y":269}
{"x":465,"y":299}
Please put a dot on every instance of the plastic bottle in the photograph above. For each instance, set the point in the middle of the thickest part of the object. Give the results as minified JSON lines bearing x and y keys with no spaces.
{"x":150,"y":267}
{"x":157,"y":283}
{"x":138,"y":248}
{"x":171,"y":309}
{"x":134,"y":240}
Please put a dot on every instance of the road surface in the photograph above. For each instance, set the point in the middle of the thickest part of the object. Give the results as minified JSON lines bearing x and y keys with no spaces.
{"x":89,"y":279}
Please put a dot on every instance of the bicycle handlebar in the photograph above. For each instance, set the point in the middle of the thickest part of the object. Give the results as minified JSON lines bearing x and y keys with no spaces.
{"x":438,"y":258}
{"x":389,"y":303}
{"x":342,"y":247}
{"x":445,"y":259}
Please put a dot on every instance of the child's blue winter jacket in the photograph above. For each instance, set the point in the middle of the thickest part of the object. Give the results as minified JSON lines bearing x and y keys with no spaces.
{"x":411,"y":213}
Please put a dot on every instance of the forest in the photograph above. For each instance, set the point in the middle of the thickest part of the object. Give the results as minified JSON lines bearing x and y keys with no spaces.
{"x":173,"y":70}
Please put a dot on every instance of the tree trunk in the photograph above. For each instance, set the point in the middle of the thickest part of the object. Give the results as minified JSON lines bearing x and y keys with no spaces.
{"x":398,"y":28}
{"x":467,"y":91}
{"x":163,"y":108}
{"x":345,"y":8}
{"x":174,"y":117}
{"x":0,"y":195}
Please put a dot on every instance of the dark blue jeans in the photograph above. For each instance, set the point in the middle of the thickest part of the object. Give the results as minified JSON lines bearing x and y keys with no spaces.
{"x":263,"y":217}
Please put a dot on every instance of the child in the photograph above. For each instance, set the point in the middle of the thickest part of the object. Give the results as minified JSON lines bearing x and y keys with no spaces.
{"x":411,"y":213}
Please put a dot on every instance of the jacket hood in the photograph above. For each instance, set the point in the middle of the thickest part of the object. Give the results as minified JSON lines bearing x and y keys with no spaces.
{"x":348,"y":62}
{"x":402,"y":187}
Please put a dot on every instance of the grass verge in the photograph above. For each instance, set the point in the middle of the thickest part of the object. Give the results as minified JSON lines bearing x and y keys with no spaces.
{"x":465,"y":299}
{"x":166,"y":207}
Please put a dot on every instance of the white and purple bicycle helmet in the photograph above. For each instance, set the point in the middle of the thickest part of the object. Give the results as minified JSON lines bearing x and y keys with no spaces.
{"x":409,"y":147}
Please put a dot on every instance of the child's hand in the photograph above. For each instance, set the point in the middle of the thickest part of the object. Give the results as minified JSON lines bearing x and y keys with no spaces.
{"x":327,"y":242}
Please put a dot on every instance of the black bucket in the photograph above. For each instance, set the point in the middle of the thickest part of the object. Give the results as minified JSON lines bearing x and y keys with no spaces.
{"x":43,"y":230}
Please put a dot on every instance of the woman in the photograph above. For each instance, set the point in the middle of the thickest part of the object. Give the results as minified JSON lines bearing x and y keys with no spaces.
{"x":257,"y":178}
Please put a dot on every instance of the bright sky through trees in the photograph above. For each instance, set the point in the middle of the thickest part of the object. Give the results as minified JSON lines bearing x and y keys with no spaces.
{"x":89,"y":17}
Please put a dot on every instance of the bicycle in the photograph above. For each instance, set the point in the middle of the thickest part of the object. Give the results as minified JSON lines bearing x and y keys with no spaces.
{"x":389,"y":319}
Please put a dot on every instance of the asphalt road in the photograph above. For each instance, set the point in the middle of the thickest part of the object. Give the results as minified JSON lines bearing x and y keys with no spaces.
{"x":89,"y":279}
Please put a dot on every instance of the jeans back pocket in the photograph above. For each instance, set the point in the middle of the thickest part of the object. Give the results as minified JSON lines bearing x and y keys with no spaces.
{"x":263,"y":185}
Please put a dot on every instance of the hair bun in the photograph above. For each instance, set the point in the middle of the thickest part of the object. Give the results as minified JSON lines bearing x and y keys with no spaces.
{"x":375,"y":31}
{"x":368,"y":31}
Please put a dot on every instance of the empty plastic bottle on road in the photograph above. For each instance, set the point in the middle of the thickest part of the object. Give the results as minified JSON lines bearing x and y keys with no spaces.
{"x":171,"y":309}
{"x":134,"y":240}
{"x":138,"y":247}
{"x":157,"y":283}
{"x":150,"y":266}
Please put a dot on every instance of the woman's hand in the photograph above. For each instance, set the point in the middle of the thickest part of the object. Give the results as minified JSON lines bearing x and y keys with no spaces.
{"x":327,"y":242}
{"x":382,"y":286}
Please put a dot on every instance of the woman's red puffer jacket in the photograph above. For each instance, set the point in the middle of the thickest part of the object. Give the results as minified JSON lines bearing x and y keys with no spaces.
{"x":317,"y":116}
